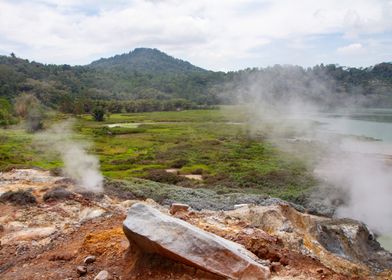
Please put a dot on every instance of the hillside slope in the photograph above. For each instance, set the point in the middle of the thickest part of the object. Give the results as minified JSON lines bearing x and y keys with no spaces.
{"x":145,"y":60}
{"x":140,"y":74}
{"x":149,"y":74}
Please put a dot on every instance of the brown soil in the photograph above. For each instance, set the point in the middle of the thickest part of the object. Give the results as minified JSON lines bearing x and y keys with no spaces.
{"x":102,"y":238}
{"x":72,"y":237}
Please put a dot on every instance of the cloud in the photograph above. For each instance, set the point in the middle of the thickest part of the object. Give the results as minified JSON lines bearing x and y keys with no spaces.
{"x":352,"y":49}
{"x":212,"y":34}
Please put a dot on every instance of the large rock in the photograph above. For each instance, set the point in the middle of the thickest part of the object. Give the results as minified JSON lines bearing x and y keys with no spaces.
{"x":155,"y":232}
{"x":352,"y":240}
{"x":346,"y":246}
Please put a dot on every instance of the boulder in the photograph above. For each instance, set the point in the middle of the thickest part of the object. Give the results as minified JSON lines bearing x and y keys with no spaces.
{"x":155,"y":232}
{"x":351,"y":240}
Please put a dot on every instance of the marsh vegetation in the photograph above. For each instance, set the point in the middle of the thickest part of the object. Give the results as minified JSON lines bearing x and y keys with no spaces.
{"x":216,"y":145}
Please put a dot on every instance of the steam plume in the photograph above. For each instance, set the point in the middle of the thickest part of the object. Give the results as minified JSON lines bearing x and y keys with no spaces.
{"x":284,"y":103}
{"x":78,"y":164}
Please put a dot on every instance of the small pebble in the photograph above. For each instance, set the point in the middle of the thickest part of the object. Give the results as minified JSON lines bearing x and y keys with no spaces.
{"x":81,"y":270}
{"x":178,"y":207}
{"x":276,"y":267}
{"x":103,"y":275}
{"x":89,"y":259}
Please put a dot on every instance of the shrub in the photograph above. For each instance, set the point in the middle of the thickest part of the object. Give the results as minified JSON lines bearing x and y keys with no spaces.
{"x":162,"y":176}
{"x":98,"y":114}
{"x":179,"y":163}
{"x":6,"y":117}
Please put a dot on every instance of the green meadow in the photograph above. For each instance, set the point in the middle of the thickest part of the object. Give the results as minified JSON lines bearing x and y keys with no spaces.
{"x":216,"y":145}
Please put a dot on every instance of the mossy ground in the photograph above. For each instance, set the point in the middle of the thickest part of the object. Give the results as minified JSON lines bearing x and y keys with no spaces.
{"x":214,"y":143}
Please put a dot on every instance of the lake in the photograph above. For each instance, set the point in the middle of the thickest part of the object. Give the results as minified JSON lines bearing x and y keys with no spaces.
{"x":374,"y":124}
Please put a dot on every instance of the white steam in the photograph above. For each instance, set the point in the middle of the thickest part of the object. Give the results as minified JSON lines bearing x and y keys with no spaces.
{"x":78,"y":164}
{"x":286,"y":105}
{"x":367,"y":181}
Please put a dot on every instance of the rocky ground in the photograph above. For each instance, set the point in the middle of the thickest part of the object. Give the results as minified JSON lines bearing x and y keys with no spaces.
{"x":51,"y":230}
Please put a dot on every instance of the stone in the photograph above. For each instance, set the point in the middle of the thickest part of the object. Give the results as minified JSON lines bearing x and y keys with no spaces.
{"x":19,"y":197}
{"x":178,"y":207}
{"x":102,"y":275}
{"x":57,"y":193}
{"x":90,"y":213}
{"x":28,"y":234}
{"x":236,"y":206}
{"x":89,"y":259}
{"x":276,"y":267}
{"x":81,"y":270}
{"x":352,"y":240}
{"x":128,"y":203}
{"x":155,"y":232}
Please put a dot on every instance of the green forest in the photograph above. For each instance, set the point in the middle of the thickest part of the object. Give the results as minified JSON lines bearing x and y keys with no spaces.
{"x":145,"y":80}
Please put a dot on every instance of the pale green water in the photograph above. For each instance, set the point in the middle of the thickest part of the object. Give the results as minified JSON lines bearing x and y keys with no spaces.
{"x":386,"y":242}
{"x":374,"y":123}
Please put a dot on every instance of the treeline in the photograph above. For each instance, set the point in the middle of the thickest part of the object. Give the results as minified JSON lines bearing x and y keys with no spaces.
{"x":29,"y":108}
{"x":328,"y":85}
{"x":79,"y":106}
{"x":149,"y":80}
{"x":58,"y":86}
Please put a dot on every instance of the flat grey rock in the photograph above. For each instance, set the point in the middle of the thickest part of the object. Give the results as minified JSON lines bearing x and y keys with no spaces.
{"x":155,"y":232}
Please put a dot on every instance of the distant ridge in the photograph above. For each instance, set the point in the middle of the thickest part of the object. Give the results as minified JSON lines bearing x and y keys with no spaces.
{"x":152,"y":75}
{"x":146,"y":60}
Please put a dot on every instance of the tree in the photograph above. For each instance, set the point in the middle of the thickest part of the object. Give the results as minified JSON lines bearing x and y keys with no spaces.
{"x":6,"y":117}
{"x":23,"y":103}
{"x":98,"y":114}
{"x":28,"y":107}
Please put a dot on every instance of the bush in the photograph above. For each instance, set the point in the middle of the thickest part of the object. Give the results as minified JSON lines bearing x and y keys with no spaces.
{"x":162,"y":176}
{"x":6,"y":117}
{"x":28,"y":107}
{"x":24,"y":103}
{"x":98,"y":114}
{"x":179,"y":163}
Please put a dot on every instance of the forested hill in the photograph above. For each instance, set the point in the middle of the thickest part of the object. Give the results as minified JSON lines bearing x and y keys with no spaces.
{"x":143,"y":74}
{"x":146,"y":60}
{"x":148,"y":79}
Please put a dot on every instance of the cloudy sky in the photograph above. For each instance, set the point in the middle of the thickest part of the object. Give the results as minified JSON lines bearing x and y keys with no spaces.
{"x":214,"y":34}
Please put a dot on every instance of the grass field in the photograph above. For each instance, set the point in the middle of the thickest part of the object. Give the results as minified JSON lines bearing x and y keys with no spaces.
{"x":215,"y":144}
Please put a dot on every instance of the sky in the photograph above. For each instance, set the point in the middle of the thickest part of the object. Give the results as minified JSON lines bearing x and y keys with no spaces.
{"x":214,"y":34}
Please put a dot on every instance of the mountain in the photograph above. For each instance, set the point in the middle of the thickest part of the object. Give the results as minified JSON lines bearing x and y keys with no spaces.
{"x":145,"y":60}
{"x":140,"y":74}
{"x":153,"y":76}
